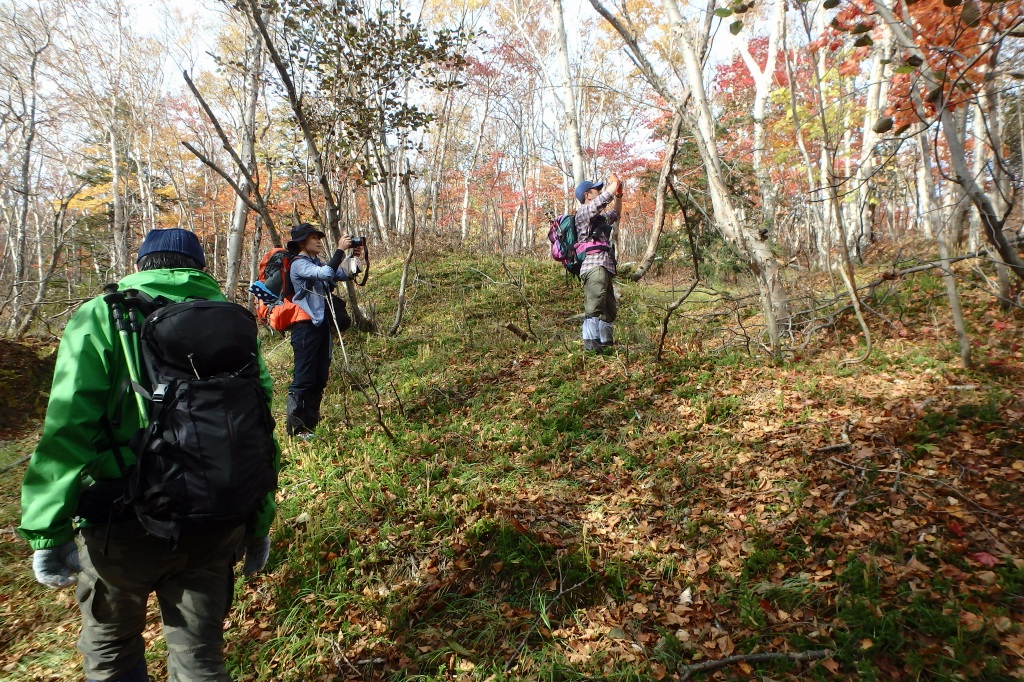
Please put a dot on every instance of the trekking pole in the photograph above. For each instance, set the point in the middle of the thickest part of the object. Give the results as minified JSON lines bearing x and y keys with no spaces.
{"x":115,"y":300}
{"x":334,"y":320}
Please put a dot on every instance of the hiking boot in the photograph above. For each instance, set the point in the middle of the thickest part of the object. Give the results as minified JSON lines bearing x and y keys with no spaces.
{"x":591,"y":345}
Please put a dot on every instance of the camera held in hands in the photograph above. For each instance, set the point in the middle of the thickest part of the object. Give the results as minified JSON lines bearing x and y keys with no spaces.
{"x":358,"y":241}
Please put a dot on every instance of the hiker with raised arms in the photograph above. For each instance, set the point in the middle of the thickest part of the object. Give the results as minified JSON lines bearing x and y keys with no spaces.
{"x":312,"y":283}
{"x":158,"y":455}
{"x":593,"y":227}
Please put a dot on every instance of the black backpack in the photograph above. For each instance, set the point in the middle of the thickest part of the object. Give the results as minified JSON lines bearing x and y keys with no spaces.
{"x":206,"y":456}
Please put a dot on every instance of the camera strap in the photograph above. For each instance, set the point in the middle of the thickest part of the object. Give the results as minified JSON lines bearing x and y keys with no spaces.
{"x":366,"y":270}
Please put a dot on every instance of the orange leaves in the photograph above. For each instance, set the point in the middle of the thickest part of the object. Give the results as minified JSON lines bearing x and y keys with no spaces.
{"x":957,"y":47}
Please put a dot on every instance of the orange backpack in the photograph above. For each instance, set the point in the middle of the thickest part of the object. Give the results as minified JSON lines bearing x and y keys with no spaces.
{"x":273,"y":292}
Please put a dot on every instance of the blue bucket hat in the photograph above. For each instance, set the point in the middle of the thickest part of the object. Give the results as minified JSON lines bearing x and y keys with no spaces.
{"x":174,"y":240}
{"x":586,"y":186}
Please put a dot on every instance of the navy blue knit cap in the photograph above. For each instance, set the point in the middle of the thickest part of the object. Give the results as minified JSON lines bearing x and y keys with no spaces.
{"x":176,"y":240}
{"x":586,"y":186}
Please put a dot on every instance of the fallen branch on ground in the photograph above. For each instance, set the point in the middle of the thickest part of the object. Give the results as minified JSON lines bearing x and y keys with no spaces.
{"x":10,"y":466}
{"x":688,"y":670}
{"x":517,"y":331}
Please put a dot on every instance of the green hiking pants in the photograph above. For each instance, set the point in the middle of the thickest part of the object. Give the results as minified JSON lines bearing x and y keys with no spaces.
{"x":194,"y":586}
{"x":599,"y":295}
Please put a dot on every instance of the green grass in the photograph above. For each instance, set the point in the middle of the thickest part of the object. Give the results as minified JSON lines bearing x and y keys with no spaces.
{"x":540,"y":514}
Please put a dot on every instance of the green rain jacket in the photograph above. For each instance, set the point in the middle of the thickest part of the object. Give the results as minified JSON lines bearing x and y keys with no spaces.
{"x":89,"y":387}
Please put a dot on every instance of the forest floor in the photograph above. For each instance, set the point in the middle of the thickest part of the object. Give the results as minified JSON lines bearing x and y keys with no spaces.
{"x":480,"y":507}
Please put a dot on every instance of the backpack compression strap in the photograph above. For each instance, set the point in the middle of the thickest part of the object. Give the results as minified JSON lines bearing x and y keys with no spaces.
{"x":591,"y":247}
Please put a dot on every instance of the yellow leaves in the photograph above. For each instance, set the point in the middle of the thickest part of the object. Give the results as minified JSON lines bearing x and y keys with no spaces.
{"x":93,"y":199}
{"x":167,"y":192}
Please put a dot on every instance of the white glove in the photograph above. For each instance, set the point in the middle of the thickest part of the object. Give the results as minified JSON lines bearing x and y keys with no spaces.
{"x":56,"y":566}
{"x":257,"y":551}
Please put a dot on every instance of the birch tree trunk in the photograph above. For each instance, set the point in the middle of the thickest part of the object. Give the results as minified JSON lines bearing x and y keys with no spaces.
{"x":877,"y":100}
{"x":990,"y":139}
{"x":400,"y":312}
{"x":930,"y":215}
{"x":247,"y":152}
{"x":568,"y":97}
{"x":671,"y":148}
{"x":119,"y":223}
{"x":26,"y":86}
{"x":760,"y":259}
{"x":815,"y":216}
{"x":977,"y":167}
{"x":464,"y":221}
{"x":763,"y":81}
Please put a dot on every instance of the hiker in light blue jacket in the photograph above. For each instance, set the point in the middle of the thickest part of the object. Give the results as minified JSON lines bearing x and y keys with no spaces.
{"x":312,"y":281}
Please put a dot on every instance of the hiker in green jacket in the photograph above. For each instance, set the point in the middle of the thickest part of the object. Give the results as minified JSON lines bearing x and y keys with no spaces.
{"x":115,"y":563}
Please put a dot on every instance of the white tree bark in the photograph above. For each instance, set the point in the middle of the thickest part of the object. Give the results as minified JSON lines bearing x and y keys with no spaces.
{"x":760,"y":259}
{"x":815,"y":227}
{"x":568,"y":97}
{"x":477,"y":143}
{"x":874,"y":107}
{"x":932,"y":217}
{"x":763,"y":81}
{"x":247,"y":152}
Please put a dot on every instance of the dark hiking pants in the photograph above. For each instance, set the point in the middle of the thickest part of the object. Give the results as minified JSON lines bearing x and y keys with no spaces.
{"x":311,"y":346}
{"x":193,"y":584}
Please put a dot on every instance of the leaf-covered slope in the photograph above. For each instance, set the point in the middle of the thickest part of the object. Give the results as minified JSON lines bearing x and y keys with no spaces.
{"x":543,"y":514}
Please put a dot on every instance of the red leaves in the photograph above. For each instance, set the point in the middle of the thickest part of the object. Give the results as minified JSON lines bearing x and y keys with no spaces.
{"x":984,"y":558}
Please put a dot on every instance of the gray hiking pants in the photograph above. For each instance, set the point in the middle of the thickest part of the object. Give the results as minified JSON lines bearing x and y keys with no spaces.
{"x":194,"y":585}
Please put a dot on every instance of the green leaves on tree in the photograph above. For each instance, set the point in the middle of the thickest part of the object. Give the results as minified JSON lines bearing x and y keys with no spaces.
{"x":362,"y":64}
